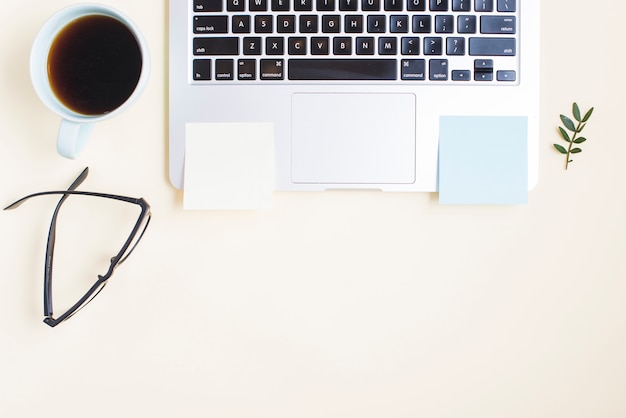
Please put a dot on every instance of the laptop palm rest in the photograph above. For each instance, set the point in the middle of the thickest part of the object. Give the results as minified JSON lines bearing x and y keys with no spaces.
{"x":353,"y":139}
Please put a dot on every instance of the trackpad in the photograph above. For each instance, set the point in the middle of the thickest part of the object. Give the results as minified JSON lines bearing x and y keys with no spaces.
{"x":353,"y":138}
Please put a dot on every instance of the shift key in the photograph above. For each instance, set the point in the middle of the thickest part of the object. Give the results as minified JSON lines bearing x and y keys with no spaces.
{"x":492,"y":47}
{"x":216,"y":46}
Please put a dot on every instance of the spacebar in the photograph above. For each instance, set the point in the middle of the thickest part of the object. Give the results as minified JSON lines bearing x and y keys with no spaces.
{"x":342,"y":69}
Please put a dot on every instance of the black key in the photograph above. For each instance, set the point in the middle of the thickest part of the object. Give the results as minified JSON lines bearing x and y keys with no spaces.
{"x":320,"y":45}
{"x":387,"y":46}
{"x":483,"y":65}
{"x":343,"y":69}
{"x":210,"y":24}
{"x":303,"y":5}
{"x":497,"y":24}
{"x":376,"y":24}
{"x":506,"y":75}
{"x":342,"y":45}
{"x":348,"y":5}
{"x":325,"y":5}
{"x":216,"y":46}
{"x":410,"y":46}
{"x":296,"y":46}
{"x":370,"y":5}
{"x":393,"y":5}
{"x":263,"y":24}
{"x":257,"y":5}
{"x":252,"y":46}
{"x":399,"y":24}
{"x":286,"y":24}
{"x":455,"y":46}
{"x":492,"y":46}
{"x":413,"y":69}
{"x":224,"y":69}
{"x":433,"y":46}
{"x":422,"y":24}
{"x":308,"y":24}
{"x":467,"y":24}
{"x":439,"y":5}
{"x":438,"y":70}
{"x":280,"y":5}
{"x":483,"y":5}
{"x":507,"y":5}
{"x":201,"y":69}
{"x":444,"y":24}
{"x":235,"y":5}
{"x":272,"y":69}
{"x":483,"y":76}
{"x":330,"y":23}
{"x":416,"y":5}
{"x":246,"y":69}
{"x":354,"y":24}
{"x":241,"y":24}
{"x":207,"y":5}
{"x":461,"y":5}
{"x":274,"y":46}
{"x":365,"y":45}
{"x":461,"y":75}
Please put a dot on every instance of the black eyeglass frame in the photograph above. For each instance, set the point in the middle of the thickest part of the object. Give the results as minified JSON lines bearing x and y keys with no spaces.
{"x":136,"y":235}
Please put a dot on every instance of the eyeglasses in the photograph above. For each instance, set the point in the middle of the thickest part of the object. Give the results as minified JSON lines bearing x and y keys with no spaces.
{"x":127,"y":248}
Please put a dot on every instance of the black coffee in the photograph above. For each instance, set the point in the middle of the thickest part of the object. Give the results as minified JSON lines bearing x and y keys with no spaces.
{"x":94,"y":64}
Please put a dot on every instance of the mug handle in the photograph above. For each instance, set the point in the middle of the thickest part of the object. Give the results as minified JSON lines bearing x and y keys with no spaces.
{"x":72,"y":138}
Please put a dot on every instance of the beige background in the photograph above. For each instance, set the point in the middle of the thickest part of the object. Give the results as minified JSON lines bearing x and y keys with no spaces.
{"x":332,"y":304}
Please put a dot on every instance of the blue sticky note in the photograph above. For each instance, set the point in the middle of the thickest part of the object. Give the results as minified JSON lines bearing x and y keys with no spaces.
{"x":483,"y":160}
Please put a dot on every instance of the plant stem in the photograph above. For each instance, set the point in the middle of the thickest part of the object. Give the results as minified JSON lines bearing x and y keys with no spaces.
{"x":569,"y":149}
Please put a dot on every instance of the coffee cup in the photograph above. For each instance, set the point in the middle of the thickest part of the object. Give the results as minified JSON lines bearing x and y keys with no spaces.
{"x":88,"y":63}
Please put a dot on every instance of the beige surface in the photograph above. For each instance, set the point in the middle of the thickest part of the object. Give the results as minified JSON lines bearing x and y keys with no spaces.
{"x":332,"y":304}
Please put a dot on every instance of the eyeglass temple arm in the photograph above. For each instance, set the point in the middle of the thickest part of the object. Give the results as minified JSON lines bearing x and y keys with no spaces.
{"x":47,"y":294}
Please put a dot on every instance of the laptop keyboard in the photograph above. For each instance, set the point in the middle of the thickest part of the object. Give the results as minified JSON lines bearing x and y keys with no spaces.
{"x":355,"y":41}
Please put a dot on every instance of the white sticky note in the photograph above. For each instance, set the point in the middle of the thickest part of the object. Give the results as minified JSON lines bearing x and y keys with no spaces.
{"x":229,"y":166}
{"x":483,"y":160}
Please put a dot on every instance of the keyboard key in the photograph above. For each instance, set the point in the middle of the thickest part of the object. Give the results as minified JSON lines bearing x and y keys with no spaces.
{"x":297,"y":46}
{"x":274,"y":45}
{"x":507,"y":6}
{"x":506,"y":76}
{"x":308,"y":24}
{"x":263,"y":24}
{"x":393,"y":5}
{"x":331,"y":23}
{"x":483,"y":76}
{"x":201,"y":69}
{"x":279,"y":5}
{"x":433,"y":46}
{"x":241,"y":24}
{"x":348,"y":5}
{"x":399,"y":24}
{"x":413,"y":69}
{"x":216,"y":46}
{"x":455,"y":46}
{"x":320,"y":45}
{"x":246,"y":69}
{"x":376,"y":24}
{"x":342,"y":45}
{"x":257,"y":5}
{"x":387,"y":46}
{"x":498,"y":24}
{"x":303,"y":5}
{"x":272,"y":69}
{"x":483,"y":5}
{"x":439,"y":5}
{"x":438,"y":70}
{"x":422,"y":24}
{"x":252,"y":45}
{"x":410,"y":46}
{"x":210,"y":24}
{"x":342,"y":69}
{"x":416,"y":5}
{"x":235,"y":5}
{"x":370,"y":5}
{"x":365,"y":45}
{"x":224,"y":69}
{"x":325,"y":5}
{"x":461,"y":75}
{"x":444,"y":24}
{"x":467,"y":24}
{"x":286,"y":24}
{"x":492,"y":46}
{"x":461,"y":5}
{"x":354,"y":24}
{"x":208,"y":5}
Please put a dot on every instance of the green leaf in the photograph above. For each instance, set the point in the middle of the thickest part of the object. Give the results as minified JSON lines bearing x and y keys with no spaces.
{"x":569,"y":124}
{"x":576,"y":151}
{"x":588,"y":115}
{"x":576,"y":112}
{"x":565,"y":135}
{"x":579,"y":140}
{"x":560,"y":149}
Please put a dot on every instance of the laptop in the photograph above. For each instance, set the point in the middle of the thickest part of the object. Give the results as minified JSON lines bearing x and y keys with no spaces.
{"x":354,"y":89}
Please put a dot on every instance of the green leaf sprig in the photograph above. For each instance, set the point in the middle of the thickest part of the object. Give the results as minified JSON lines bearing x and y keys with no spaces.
{"x":576,"y":128}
